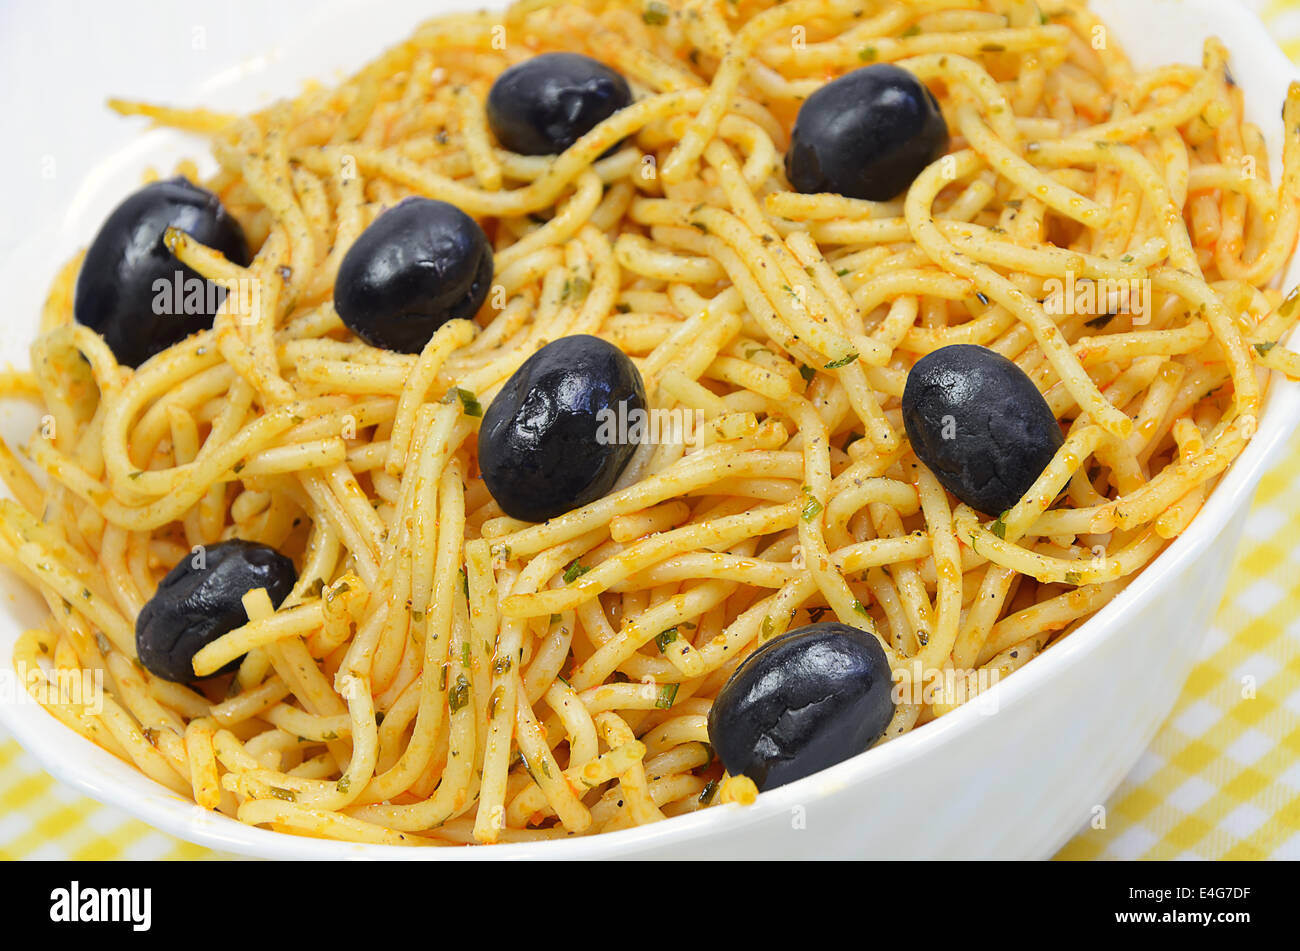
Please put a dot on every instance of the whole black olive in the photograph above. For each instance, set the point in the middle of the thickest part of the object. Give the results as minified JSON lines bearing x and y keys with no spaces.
{"x":979,"y":424}
{"x":132,"y":290}
{"x":543,"y":105}
{"x":805,"y":700}
{"x":420,"y":264}
{"x":200,"y":599}
{"x":561,"y":430}
{"x":866,"y":135}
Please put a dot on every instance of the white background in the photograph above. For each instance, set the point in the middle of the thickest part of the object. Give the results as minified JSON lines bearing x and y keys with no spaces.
{"x":60,"y":60}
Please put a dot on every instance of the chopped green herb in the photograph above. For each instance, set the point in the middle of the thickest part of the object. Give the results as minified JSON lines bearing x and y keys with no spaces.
{"x":667,"y":694}
{"x":1073,"y":577}
{"x":1265,"y":347}
{"x":343,"y":785}
{"x":1284,"y":309}
{"x":665,"y":638}
{"x":459,"y":695}
{"x":288,"y":795}
{"x":867,"y":54}
{"x":842,"y":362}
{"x":574,"y":572}
{"x":468,"y":401}
{"x":577,"y":287}
{"x":655,"y":13}
{"x":807,"y":372}
{"x":708,"y":792}
{"x":999,"y":526}
{"x":811,"y":508}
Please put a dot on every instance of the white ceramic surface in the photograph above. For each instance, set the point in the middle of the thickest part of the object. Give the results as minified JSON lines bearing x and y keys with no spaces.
{"x":1015,"y":783}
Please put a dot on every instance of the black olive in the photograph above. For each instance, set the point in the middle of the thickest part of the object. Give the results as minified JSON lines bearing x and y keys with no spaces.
{"x":979,"y":424}
{"x":557,"y":435}
{"x":866,"y":135}
{"x":130,"y":282}
{"x":543,"y":105}
{"x":199,"y":600}
{"x":805,"y":700}
{"x":420,"y":264}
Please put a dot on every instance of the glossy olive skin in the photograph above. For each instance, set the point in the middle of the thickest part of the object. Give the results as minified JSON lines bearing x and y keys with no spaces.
{"x":543,"y":105}
{"x":979,"y":424}
{"x":420,"y":264}
{"x":117,"y":287}
{"x":805,"y":700}
{"x":194,"y":606}
{"x":866,"y":135}
{"x":544,"y":447}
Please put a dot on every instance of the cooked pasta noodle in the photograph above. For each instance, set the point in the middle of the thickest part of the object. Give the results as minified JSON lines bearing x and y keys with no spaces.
{"x":443,"y":674}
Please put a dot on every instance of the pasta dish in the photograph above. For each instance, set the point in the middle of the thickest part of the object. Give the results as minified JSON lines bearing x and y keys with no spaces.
{"x":592,"y":412}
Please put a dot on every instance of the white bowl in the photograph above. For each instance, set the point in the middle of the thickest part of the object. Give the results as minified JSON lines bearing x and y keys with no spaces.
{"x":1015,"y":784}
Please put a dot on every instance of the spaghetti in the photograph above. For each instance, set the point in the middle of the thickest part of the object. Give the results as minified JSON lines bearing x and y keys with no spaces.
{"x":442,"y":674}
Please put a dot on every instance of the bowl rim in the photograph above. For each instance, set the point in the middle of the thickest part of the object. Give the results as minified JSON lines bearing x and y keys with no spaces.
{"x":85,"y":767}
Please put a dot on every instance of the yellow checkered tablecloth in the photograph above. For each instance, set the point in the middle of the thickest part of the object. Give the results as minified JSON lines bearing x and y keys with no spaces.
{"x":1220,"y":781}
{"x":1222,"y":778}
